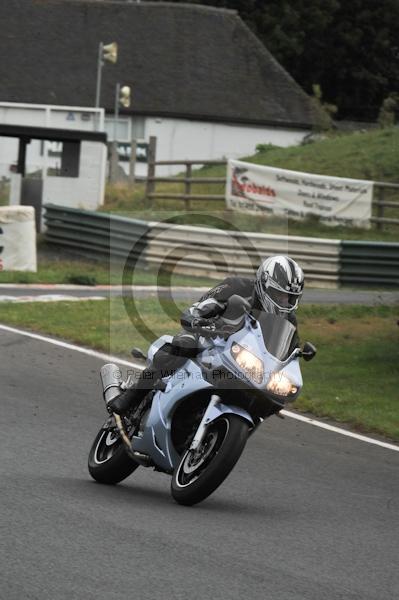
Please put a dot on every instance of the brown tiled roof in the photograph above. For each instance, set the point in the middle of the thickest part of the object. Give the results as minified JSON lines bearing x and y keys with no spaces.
{"x":181,"y":60}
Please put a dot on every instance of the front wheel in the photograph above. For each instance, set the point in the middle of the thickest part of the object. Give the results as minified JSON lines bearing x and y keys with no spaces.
{"x":200,"y":472}
{"x":108,"y":460}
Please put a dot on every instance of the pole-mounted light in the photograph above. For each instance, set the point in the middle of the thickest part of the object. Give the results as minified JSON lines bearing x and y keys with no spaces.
{"x":106,"y":53}
{"x":124,"y":96}
{"x":110,"y":52}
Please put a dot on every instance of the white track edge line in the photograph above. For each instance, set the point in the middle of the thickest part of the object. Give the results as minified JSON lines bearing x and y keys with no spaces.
{"x":357,"y":436}
{"x":68,"y":346}
{"x":127,"y":363}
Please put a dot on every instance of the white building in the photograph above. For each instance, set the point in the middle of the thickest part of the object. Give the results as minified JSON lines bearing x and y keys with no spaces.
{"x":201,"y":81}
{"x":179,"y":139}
{"x":53,"y":154}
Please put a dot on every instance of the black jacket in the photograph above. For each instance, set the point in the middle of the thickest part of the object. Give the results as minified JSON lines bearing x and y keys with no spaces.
{"x":213,"y":303}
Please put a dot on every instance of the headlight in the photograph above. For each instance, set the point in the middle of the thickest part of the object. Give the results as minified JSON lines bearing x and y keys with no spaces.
{"x":248,"y":362}
{"x":280,"y":385}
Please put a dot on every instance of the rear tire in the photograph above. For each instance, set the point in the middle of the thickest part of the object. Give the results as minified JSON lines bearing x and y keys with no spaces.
{"x":108,"y":460}
{"x":199,"y":474}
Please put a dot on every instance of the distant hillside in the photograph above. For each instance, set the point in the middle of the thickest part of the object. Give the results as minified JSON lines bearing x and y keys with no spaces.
{"x":370,"y":155}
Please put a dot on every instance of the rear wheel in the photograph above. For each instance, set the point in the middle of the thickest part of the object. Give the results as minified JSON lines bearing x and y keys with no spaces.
{"x":108,"y":461}
{"x":200,"y":472}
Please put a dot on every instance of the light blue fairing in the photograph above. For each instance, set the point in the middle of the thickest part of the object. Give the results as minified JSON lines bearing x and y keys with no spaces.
{"x":156,"y":438}
{"x":250,"y":337}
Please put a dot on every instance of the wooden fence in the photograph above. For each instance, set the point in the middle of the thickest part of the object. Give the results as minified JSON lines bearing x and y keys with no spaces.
{"x":380,"y":201}
{"x":188,"y":180}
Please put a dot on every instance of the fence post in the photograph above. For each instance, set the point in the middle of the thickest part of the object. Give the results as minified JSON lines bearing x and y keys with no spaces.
{"x":187,"y":187}
{"x":151,"y":158}
{"x":113,"y":163}
{"x":380,"y":206}
{"x":132,"y":164}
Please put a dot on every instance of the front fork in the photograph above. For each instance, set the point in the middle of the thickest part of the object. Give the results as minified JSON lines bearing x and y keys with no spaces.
{"x":213,"y":411}
{"x":206,"y":418}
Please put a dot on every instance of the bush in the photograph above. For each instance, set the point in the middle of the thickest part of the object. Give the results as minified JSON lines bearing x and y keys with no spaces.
{"x":388,"y":110}
{"x":81,"y":280}
{"x":265,"y":148}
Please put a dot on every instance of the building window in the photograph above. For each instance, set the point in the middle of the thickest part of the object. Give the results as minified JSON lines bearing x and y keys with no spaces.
{"x":138,"y":132}
{"x":66,"y":157}
{"x":123,"y":129}
{"x":70,"y":159}
{"x":127,"y":129}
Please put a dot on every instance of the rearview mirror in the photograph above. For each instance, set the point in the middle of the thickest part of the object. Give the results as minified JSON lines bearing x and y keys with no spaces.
{"x":236,"y":306}
{"x":308,"y":351}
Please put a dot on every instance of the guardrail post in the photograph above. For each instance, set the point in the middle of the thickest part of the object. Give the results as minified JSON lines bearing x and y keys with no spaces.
{"x":187,"y":186}
{"x":380,"y":206}
{"x":151,"y":158}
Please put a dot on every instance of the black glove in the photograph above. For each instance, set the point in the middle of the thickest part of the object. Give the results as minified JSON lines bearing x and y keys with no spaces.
{"x":199,"y":324}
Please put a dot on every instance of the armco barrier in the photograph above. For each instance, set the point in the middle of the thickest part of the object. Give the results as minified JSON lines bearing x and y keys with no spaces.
{"x":94,"y":234}
{"x":369,"y":263}
{"x":215,"y":253}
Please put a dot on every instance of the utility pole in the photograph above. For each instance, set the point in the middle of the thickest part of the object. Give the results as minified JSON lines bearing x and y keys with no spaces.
{"x":106,"y":53}
{"x":100,"y":65}
{"x":116,"y":110}
{"x":122,"y":98}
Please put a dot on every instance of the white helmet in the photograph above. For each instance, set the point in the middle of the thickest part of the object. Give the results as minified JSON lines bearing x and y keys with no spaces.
{"x":279,"y":284}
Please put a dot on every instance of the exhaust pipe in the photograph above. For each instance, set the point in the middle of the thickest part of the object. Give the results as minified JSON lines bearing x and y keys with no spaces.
{"x":111,"y":379}
{"x":142,"y":459}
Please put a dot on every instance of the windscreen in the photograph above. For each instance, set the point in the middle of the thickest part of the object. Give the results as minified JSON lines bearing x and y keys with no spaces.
{"x":277,"y":334}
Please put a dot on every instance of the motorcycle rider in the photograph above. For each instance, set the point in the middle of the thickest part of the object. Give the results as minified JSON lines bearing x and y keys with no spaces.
{"x":277,"y":289}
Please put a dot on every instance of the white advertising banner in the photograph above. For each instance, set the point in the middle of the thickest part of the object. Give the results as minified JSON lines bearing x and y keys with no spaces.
{"x":264,"y":190}
{"x":17,"y":238}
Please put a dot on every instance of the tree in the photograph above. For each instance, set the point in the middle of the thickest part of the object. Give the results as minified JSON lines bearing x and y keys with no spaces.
{"x":388,"y":111}
{"x":364,"y":65}
{"x":324,"y":111}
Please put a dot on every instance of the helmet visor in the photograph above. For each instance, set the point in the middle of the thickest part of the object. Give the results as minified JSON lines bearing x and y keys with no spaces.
{"x":284,"y":300}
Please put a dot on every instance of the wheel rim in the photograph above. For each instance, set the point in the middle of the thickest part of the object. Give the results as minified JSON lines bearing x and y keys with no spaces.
{"x":106,"y":447}
{"x":194,"y":463}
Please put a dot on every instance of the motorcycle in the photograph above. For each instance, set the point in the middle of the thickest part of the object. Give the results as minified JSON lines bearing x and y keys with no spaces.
{"x":194,"y":423}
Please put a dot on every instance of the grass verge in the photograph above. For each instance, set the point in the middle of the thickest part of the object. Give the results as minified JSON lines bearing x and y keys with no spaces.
{"x":87,"y":273}
{"x":353,"y":379}
{"x":59,"y":267}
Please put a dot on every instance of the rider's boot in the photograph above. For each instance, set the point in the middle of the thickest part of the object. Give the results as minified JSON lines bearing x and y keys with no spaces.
{"x":122,"y":403}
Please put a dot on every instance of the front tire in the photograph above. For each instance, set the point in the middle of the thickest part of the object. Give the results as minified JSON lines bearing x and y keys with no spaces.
{"x":108,"y":461}
{"x":200,"y":473}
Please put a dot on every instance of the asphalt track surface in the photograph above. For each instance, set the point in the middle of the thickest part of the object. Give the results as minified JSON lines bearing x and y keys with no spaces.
{"x":306,"y":514}
{"x":310,"y":296}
